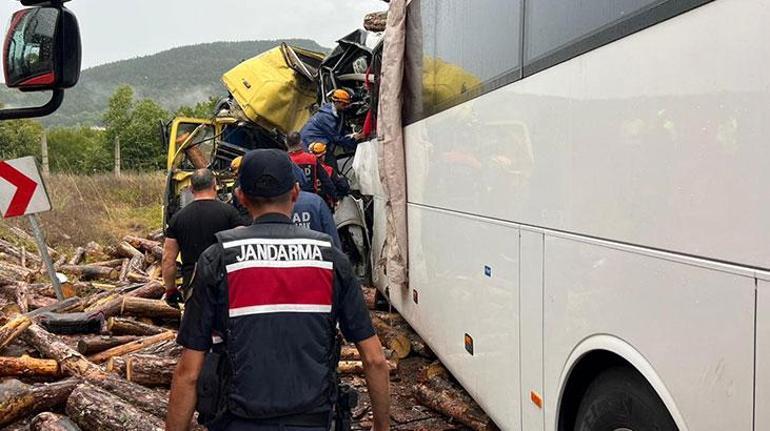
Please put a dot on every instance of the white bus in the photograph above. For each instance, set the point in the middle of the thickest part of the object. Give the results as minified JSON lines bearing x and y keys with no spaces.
{"x":589,"y":209}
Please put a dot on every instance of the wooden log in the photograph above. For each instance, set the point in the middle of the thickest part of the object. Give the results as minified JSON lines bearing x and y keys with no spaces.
{"x":153,"y":247}
{"x":136,"y":277}
{"x":13,"y":329}
{"x":357,"y":367}
{"x":61,"y":261}
{"x":26,"y":366}
{"x":91,"y":272}
{"x":167,"y":349}
{"x":96,"y":409}
{"x":370,"y":295}
{"x":112,"y":263}
{"x":150,"y":258}
{"x":350,"y":353}
{"x":24,"y":236}
{"x":48,"y":421}
{"x":154,"y":308}
{"x":67,"y":306}
{"x":78,"y":256}
{"x":128,"y":326}
{"x":124,"y":249}
{"x":20,"y":425}
{"x":18,"y":294}
{"x":392,"y":338}
{"x":125,"y":266}
{"x":36,"y":301}
{"x":149,"y":370}
{"x":95,"y":252}
{"x":18,"y":399}
{"x":99,"y":343}
{"x":131,"y":347}
{"x":72,"y":362}
{"x":116,"y":365}
{"x":112,"y":306}
{"x":46,"y":289}
{"x":451,"y":400}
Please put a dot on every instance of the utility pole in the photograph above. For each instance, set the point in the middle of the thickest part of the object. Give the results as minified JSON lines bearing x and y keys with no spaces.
{"x":44,"y":152}
{"x":117,"y":156}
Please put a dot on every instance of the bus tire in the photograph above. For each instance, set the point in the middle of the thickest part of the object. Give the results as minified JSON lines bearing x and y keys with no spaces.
{"x":619,"y":398}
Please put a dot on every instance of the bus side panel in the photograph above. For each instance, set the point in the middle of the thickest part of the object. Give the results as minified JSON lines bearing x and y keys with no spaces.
{"x":465,"y":273}
{"x":694,"y":326}
{"x":531,"y":343}
{"x":658,"y":140}
{"x":762,"y":381}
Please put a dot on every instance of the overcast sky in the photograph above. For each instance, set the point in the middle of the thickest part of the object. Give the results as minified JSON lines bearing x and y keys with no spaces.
{"x":118,"y":29}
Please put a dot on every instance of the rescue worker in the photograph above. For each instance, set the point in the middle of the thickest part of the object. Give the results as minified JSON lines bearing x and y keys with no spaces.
{"x":327,"y":126}
{"x":313,"y":170}
{"x":191,"y":230}
{"x":274,"y":294}
{"x":311,"y":212}
{"x":341,"y":186}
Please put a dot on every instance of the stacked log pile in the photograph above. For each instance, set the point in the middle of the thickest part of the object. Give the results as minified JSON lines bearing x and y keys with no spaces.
{"x":103,"y":358}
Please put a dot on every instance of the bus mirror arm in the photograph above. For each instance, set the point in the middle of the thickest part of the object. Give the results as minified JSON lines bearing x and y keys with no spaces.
{"x":38,"y":111}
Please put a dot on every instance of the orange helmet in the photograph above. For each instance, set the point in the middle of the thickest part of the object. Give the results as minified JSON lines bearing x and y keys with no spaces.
{"x":340,"y":95}
{"x":317,"y":148}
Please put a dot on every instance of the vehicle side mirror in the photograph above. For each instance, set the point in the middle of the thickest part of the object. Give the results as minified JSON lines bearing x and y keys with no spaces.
{"x":42,"y":49}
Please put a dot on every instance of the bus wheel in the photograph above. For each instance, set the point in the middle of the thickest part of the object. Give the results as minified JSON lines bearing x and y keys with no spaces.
{"x":620,"y":399}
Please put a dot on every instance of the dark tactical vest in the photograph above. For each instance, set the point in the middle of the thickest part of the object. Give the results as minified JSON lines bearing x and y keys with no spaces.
{"x":281,"y":332}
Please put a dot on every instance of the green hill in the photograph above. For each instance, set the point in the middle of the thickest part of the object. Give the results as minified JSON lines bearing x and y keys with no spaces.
{"x":179,"y":76}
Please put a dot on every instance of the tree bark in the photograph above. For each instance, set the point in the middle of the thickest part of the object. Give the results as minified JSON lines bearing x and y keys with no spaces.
{"x":99,"y":343}
{"x":149,"y":370}
{"x":92,"y":272}
{"x":128,"y":326}
{"x":68,"y":289}
{"x":445,"y":398}
{"x":393,"y":338}
{"x":13,"y":329}
{"x":357,"y":367}
{"x":112,"y":263}
{"x":16,"y":272}
{"x":18,"y":400}
{"x":48,"y":421}
{"x":116,"y":365}
{"x":131,"y":347}
{"x":153,"y":247}
{"x":111,"y":307}
{"x":142,"y":307}
{"x":72,"y":362}
{"x":18,"y":295}
{"x":125,"y":266}
{"x":26,"y":366}
{"x":36,"y":301}
{"x":96,"y":409}
{"x":80,"y":253}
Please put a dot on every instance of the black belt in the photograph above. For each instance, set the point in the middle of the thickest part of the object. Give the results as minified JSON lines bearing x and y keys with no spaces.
{"x":301,"y":420}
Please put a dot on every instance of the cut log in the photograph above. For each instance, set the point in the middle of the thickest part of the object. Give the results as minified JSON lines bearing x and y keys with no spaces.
{"x":95,"y":252}
{"x":376,"y":21}
{"x":116,"y":365}
{"x":96,"y":409}
{"x":48,"y":421}
{"x":13,"y":329}
{"x":25,"y":366}
{"x":112,"y":263}
{"x":150,"y":258}
{"x":36,"y":301}
{"x":24,"y":236}
{"x":92,"y":272}
{"x":68,"y":289}
{"x":125,"y":266}
{"x":127,"y":250}
{"x":18,"y":400}
{"x":67,"y":306}
{"x":61,"y":261}
{"x":128,"y":326}
{"x":450,"y":400}
{"x":153,"y":247}
{"x":99,"y":343}
{"x":350,"y":353}
{"x":18,"y":296}
{"x":131,"y":347}
{"x":136,"y":277}
{"x":72,"y":362}
{"x":370,"y":295}
{"x":148,"y":370}
{"x":153,"y":308}
{"x":16,"y":272}
{"x":167,"y":349}
{"x":80,"y":254}
{"x":357,"y":367}
{"x":392,"y":338}
{"x":111,"y":307}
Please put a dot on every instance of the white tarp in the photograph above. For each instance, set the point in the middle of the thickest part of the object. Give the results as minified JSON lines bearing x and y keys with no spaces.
{"x":392,"y":163}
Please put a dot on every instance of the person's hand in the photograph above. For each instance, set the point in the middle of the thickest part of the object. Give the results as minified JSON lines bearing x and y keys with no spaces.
{"x":173,"y":297}
{"x":358,"y":136}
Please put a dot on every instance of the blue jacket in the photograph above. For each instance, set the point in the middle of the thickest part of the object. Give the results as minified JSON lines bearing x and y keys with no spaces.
{"x":326,"y":127}
{"x":310,"y":211}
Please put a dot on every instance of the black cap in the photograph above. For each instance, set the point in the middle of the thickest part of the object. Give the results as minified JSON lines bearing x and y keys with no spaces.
{"x":266,"y":173}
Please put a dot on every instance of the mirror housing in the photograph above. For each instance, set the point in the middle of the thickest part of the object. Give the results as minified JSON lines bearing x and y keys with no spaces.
{"x":42,"y":49}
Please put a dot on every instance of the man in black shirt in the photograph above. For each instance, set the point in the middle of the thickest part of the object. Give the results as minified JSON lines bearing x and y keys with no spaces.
{"x":191,"y":230}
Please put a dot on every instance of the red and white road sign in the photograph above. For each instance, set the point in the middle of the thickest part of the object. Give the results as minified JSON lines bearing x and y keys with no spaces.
{"x":22,"y":190}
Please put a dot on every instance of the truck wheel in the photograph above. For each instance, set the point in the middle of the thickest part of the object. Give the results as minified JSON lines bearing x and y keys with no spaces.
{"x":620,"y":399}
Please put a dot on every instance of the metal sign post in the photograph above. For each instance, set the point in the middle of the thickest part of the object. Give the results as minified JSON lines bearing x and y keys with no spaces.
{"x":43,"y":247}
{"x":22,"y":192}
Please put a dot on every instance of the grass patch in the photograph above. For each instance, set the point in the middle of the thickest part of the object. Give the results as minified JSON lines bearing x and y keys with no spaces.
{"x":101,"y":208}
